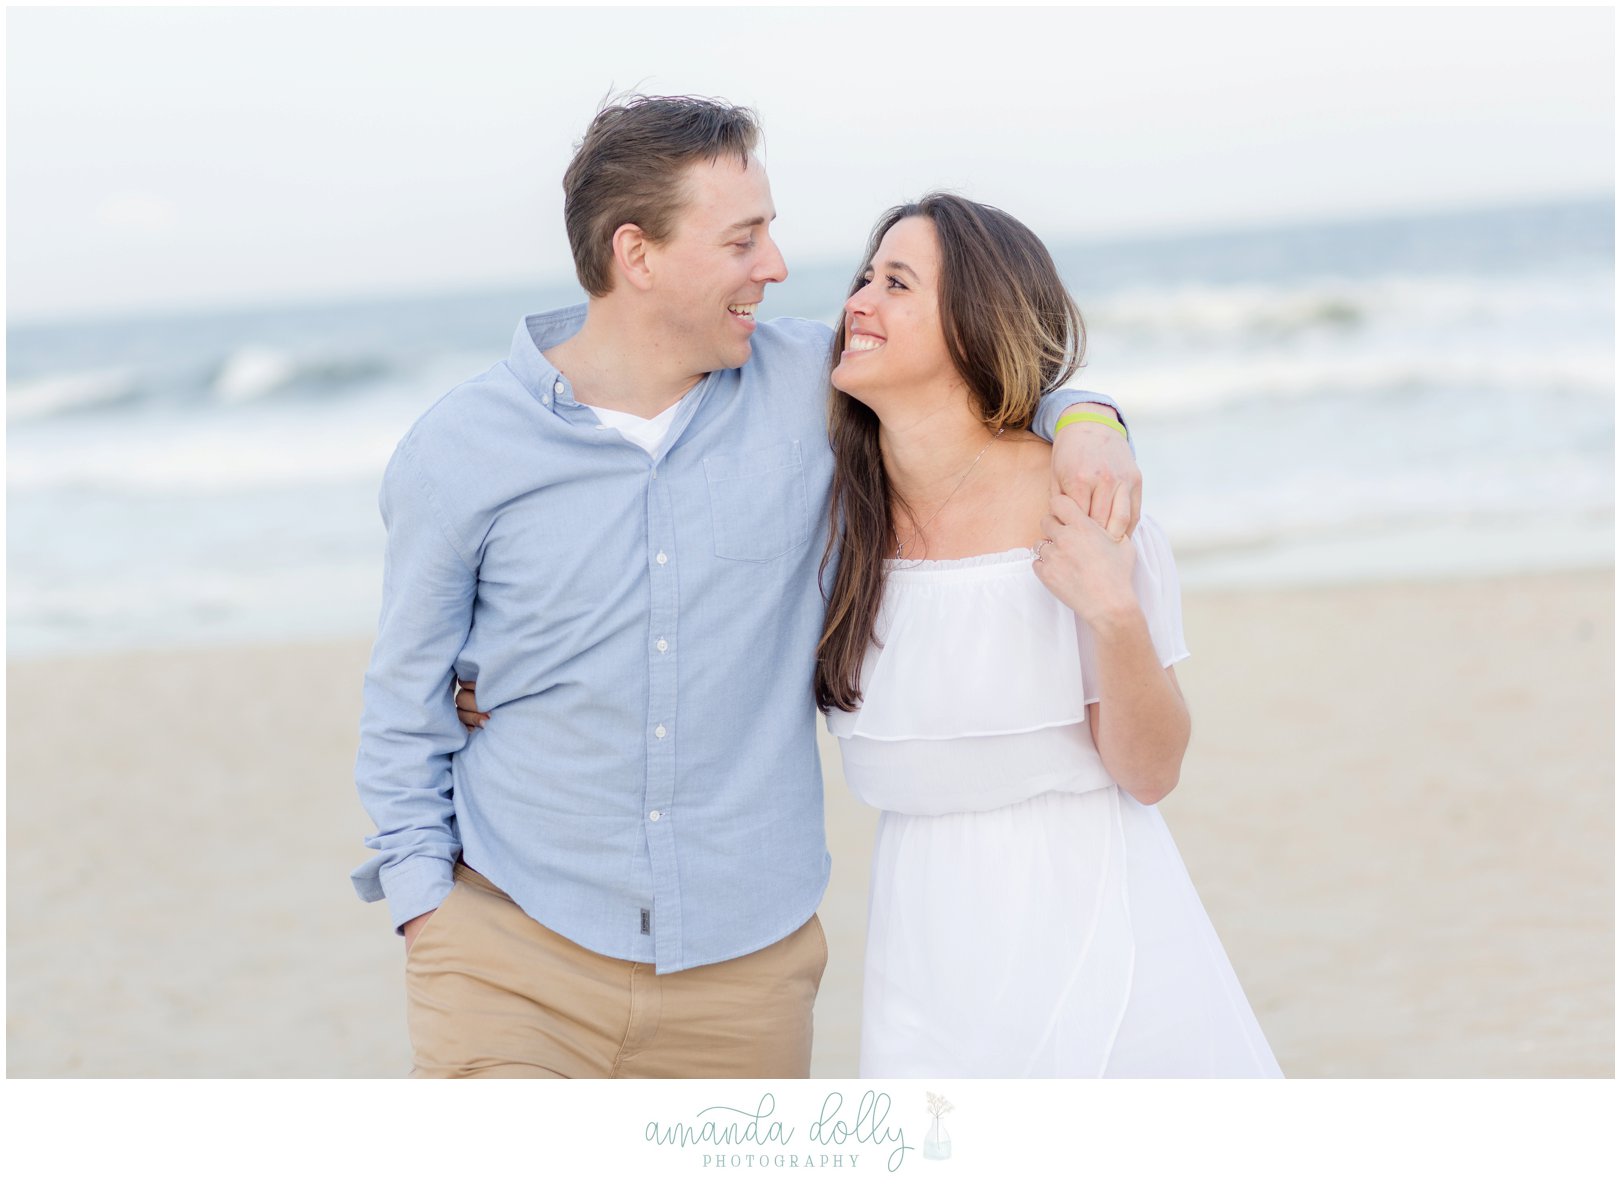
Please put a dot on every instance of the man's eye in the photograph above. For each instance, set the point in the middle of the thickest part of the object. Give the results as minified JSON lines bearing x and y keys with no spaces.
{"x":747,"y":243}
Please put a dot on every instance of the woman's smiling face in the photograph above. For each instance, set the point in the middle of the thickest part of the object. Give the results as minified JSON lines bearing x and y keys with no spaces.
{"x":893,"y":339}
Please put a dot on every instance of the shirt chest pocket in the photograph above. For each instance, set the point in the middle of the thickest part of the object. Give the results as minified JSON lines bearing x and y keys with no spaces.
{"x":757,"y":502}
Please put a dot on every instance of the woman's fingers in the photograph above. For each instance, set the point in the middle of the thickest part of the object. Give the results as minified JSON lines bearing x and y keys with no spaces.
{"x":467,"y":708}
{"x":1102,"y":497}
{"x":1065,"y":510}
{"x":1122,"y":516}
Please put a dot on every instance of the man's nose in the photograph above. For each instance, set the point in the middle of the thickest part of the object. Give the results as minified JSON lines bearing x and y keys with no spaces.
{"x":772,"y":265}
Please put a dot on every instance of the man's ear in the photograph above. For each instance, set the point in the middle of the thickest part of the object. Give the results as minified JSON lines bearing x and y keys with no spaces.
{"x":630,"y":256}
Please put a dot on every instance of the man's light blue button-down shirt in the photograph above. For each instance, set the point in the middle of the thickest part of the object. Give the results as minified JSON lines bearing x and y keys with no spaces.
{"x":643,"y":629}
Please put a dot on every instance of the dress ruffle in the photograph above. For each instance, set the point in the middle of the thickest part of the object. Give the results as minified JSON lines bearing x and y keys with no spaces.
{"x":946,"y":635}
{"x":979,"y":646}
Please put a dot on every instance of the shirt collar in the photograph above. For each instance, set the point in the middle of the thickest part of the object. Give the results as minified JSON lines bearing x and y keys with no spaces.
{"x":536,"y":334}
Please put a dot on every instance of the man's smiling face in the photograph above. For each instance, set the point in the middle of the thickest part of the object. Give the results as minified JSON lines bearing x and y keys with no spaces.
{"x":711,"y":273}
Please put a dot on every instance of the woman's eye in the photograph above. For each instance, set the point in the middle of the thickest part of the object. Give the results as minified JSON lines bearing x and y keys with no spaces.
{"x":894,"y":282}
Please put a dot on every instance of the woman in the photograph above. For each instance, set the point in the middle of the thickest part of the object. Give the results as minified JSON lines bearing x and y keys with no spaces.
{"x":1011,"y":710}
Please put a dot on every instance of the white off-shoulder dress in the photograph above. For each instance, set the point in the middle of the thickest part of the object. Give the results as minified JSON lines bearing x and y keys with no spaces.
{"x":1027,"y":917}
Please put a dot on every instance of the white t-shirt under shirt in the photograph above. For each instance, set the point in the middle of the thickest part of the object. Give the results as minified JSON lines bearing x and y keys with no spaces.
{"x":646,"y":432}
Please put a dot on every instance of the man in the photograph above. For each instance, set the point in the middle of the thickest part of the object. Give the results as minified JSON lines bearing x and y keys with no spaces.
{"x":615,"y":532}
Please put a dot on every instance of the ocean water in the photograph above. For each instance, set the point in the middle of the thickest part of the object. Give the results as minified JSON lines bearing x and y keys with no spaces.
{"x":1402,"y":397}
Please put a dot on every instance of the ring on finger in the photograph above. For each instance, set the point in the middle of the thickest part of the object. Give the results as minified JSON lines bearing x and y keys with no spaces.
{"x":1042,"y":544}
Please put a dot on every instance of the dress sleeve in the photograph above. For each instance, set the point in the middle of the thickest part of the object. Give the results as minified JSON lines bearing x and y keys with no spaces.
{"x":1159,"y":593}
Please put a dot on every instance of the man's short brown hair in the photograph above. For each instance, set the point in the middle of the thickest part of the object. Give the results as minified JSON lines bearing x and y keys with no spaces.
{"x":628,"y":170}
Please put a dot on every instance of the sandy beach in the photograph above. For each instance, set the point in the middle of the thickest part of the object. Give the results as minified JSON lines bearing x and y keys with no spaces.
{"x":1398,"y":808}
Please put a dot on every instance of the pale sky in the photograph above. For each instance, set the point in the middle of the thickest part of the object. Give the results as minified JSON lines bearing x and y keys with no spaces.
{"x":175,"y":158}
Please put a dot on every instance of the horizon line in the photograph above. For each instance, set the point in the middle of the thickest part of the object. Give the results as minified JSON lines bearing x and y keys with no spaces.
{"x":204,"y":307}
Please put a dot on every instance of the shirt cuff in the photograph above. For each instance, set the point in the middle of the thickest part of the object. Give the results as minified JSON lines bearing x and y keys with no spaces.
{"x":416,"y":885}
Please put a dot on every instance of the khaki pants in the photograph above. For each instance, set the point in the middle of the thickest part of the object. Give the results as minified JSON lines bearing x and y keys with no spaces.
{"x":493,"y":993}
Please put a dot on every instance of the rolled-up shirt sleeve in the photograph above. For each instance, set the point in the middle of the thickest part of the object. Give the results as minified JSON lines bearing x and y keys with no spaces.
{"x":409,"y":729}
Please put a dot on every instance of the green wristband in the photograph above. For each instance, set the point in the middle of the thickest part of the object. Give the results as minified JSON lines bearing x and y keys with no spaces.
{"x":1100,"y":418}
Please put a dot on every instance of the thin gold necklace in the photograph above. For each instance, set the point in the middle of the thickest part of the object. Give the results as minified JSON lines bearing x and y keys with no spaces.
{"x":902,"y":547}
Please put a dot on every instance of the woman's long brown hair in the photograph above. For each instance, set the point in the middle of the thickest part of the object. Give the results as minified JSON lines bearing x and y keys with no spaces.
{"x":1013,"y":334}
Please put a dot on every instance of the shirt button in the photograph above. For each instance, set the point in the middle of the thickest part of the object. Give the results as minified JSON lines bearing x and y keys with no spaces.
{"x":654,"y":816}
{"x":558,"y":388}
{"x":661,"y":559}
{"x":660,"y":731}
{"x":663,"y":646}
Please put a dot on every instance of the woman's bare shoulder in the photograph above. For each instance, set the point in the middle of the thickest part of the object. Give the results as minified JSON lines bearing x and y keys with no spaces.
{"x":1032,"y":451}
{"x":1030,"y":473}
